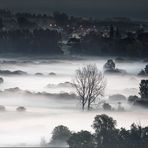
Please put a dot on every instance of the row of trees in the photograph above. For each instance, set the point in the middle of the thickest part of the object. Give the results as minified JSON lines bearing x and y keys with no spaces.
{"x":25,"y":41}
{"x":106,"y":135}
{"x":132,"y":45}
{"x":101,"y":43}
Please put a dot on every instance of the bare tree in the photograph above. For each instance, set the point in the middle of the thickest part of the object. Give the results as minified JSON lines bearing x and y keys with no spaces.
{"x":89,"y":84}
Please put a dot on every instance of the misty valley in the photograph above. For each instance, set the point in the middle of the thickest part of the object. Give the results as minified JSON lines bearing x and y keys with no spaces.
{"x":37,"y":94}
{"x":74,"y":73}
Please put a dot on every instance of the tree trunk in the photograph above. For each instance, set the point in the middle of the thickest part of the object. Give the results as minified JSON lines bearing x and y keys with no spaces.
{"x":88,"y":107}
{"x":83,"y":105}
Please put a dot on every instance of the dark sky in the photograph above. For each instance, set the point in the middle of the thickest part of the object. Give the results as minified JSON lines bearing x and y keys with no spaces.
{"x":137,"y":9}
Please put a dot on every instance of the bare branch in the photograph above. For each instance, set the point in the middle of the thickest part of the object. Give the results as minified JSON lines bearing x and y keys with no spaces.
{"x":89,"y":84}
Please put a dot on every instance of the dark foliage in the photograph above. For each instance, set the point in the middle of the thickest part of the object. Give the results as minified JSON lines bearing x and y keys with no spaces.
{"x":144,"y":89}
{"x":60,"y":18}
{"x":82,"y":139}
{"x":144,"y":72}
{"x":60,"y":134}
{"x":24,"y":41}
{"x":21,"y":109}
{"x":2,"y":108}
{"x":1,"y":23}
{"x":132,"y":45}
{"x":1,"y":80}
{"x":107,"y":107}
{"x":132,"y":99}
{"x":23,"y":22}
{"x":111,"y":37}
{"x":109,"y":65}
{"x":108,"y":136}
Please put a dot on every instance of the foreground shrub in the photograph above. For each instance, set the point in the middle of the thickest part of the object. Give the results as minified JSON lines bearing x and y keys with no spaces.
{"x":82,"y":139}
{"x":60,"y":134}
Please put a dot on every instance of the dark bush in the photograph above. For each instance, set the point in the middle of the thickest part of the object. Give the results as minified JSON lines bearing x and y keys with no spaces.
{"x":107,"y":107}
{"x":132,"y":99}
{"x":117,"y":97}
{"x":1,"y":80}
{"x":2,"y":108}
{"x":21,"y":109}
{"x":60,"y":134}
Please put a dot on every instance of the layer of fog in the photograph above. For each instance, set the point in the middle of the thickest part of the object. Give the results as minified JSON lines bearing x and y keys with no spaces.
{"x":44,"y":111}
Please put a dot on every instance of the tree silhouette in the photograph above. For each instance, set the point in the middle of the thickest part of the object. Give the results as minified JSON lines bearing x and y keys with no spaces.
{"x":82,"y":139}
{"x":105,"y":130}
{"x":1,"y":23}
{"x":60,"y":134}
{"x":109,"y":65}
{"x":61,"y":18}
{"x":146,"y":69}
{"x":107,"y":135}
{"x":107,"y":106}
{"x":144,"y":89}
{"x":89,"y":84}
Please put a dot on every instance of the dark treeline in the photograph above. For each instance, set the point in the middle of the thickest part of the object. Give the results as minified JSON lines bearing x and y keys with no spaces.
{"x":42,"y":33}
{"x":96,"y":43}
{"x":106,"y":135}
{"x":25,"y":41}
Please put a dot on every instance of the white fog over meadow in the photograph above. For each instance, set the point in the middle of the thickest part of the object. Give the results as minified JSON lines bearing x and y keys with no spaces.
{"x":50,"y":102}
